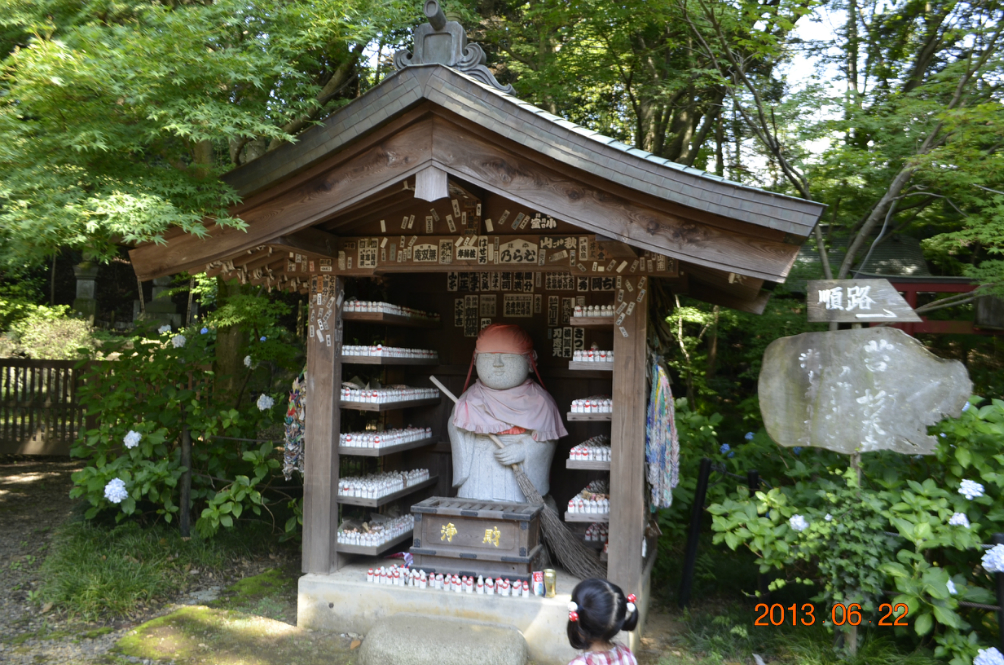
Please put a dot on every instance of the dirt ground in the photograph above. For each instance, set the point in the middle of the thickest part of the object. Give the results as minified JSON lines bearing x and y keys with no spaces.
{"x":252,"y":621}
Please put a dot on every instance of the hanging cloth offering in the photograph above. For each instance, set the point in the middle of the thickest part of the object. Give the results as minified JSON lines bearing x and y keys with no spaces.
{"x":662,"y":445}
{"x":293,"y":448}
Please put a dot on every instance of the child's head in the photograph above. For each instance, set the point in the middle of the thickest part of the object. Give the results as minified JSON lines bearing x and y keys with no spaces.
{"x":598,"y":611}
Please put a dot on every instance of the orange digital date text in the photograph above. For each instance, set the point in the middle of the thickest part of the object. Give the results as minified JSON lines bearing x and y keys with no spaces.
{"x":840,"y":614}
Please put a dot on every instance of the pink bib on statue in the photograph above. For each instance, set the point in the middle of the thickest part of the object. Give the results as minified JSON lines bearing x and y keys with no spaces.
{"x":487,"y":411}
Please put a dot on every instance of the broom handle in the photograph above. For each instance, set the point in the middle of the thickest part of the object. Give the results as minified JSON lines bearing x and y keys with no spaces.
{"x":447,"y":392}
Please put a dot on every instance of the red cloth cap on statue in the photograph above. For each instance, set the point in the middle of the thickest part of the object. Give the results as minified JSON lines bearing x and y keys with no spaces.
{"x":504,"y":338}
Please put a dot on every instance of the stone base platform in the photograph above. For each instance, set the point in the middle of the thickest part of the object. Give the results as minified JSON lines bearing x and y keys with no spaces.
{"x":345,"y":602}
{"x":414,"y":639}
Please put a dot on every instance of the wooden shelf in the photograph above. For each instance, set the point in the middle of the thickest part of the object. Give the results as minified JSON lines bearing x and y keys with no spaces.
{"x":389,"y":406}
{"x":587,"y":517}
{"x":589,"y":416}
{"x":386,"y":450}
{"x":590,"y":366}
{"x":376,"y":550}
{"x":587,"y":465}
{"x":383,"y":360}
{"x":376,"y":503}
{"x":390,"y":319}
{"x":592,"y":321}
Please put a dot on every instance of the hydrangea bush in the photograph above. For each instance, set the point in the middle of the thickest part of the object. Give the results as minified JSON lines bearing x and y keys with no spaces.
{"x":914,"y":525}
{"x":137,"y":408}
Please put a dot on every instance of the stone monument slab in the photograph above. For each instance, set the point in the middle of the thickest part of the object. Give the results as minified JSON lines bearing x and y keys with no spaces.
{"x":858,"y":391}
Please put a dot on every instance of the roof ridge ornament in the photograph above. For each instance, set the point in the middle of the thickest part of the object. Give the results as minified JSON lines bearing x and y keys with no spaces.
{"x":445,"y":43}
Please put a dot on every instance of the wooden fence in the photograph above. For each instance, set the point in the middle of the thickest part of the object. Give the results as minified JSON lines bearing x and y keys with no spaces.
{"x":39,"y":413}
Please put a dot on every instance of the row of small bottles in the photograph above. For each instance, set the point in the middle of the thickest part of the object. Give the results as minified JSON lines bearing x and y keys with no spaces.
{"x":382,"y":351}
{"x":387,"y":395}
{"x":594,"y":310}
{"x":375,"y":307}
{"x":379,"y":533}
{"x":377,"y":485}
{"x":596,"y":404}
{"x":593,"y":355}
{"x":384,"y":439}
{"x":596,"y":449}
{"x":398,"y":576}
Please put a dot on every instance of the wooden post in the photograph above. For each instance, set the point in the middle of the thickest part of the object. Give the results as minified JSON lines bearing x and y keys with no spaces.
{"x":324,"y":380}
{"x":627,"y":440}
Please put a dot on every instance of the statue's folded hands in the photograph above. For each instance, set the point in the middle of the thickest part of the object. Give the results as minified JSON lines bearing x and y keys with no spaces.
{"x":513,"y":453}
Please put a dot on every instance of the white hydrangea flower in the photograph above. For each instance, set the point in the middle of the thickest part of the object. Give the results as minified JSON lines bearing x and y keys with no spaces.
{"x":828,"y":518}
{"x":178,"y":341}
{"x":951,"y":588}
{"x":247,"y":361}
{"x":989,"y":656}
{"x":115,"y":491}
{"x":798,"y":523}
{"x":970,"y":489}
{"x":164,"y":329}
{"x":993,"y":560}
{"x":959,"y":519}
{"x":131,"y":440}
{"x":265,"y":402}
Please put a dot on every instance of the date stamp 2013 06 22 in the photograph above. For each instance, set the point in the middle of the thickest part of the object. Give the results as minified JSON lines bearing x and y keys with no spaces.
{"x":840,"y":614}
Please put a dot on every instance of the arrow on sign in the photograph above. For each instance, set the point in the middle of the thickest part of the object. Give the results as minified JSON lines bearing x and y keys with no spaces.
{"x":887,"y":315}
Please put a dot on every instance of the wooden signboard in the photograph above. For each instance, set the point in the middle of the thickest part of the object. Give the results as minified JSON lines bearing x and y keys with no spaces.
{"x":857,"y":301}
{"x":578,"y":254}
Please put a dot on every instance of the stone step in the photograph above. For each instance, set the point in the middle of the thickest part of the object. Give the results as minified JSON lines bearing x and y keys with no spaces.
{"x":415,"y":639}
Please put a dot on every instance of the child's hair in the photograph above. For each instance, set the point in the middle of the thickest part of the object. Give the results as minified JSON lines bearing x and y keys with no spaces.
{"x":601,"y":611}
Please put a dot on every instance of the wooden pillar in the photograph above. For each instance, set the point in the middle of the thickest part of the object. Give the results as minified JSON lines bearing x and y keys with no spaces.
{"x":324,"y":380}
{"x":627,"y":440}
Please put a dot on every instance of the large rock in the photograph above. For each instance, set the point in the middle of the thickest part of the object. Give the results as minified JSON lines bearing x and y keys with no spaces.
{"x":414,"y":639}
{"x":858,"y":390}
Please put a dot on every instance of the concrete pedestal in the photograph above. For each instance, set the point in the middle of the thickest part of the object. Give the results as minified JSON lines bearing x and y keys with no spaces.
{"x":345,"y":602}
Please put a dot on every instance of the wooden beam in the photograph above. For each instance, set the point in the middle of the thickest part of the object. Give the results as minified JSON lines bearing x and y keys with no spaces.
{"x":397,"y":157}
{"x":376,"y":208}
{"x":627,"y":439}
{"x":308,"y":241}
{"x":525,"y":181}
{"x":324,"y":381}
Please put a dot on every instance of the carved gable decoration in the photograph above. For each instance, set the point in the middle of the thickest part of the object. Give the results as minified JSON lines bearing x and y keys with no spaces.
{"x":442,"y":42}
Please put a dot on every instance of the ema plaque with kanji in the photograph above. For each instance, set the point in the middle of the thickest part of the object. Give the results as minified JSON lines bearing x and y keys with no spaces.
{"x":857,"y":301}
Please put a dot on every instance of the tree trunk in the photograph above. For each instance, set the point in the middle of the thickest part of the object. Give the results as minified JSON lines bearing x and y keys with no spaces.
{"x":229,"y":340}
{"x":713,"y":345}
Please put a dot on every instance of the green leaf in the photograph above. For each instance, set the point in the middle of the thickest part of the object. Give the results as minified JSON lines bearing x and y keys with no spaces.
{"x":923,"y":624}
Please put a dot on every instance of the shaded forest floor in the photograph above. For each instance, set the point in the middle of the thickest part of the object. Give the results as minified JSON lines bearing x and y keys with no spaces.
{"x":231,"y":603}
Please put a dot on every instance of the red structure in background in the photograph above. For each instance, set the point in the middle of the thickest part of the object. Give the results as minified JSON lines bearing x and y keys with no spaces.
{"x":911,"y":287}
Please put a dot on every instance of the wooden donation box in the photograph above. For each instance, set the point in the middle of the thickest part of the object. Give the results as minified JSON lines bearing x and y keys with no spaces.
{"x":471,"y":537}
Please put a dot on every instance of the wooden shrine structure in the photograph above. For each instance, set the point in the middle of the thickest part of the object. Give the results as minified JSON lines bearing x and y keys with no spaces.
{"x":441,"y":191}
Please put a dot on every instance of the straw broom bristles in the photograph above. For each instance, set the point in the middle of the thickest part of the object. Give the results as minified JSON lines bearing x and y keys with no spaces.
{"x":572,"y":553}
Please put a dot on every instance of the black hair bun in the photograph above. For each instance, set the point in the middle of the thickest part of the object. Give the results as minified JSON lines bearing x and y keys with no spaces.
{"x":602,"y":613}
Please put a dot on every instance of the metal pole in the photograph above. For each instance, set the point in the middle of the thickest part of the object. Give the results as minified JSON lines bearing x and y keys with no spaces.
{"x":998,"y":539}
{"x":696,"y":516}
{"x":185,"y":507}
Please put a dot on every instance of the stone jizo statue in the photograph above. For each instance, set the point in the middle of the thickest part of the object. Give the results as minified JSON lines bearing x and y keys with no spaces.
{"x":506,"y":402}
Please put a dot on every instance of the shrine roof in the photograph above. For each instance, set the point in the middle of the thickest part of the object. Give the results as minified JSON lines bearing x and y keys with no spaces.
{"x":537,"y":130}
